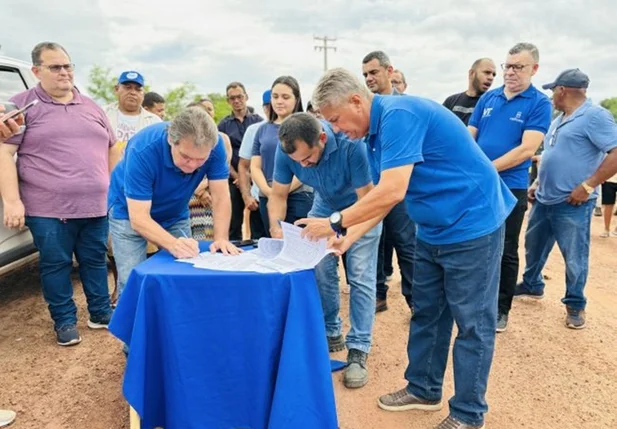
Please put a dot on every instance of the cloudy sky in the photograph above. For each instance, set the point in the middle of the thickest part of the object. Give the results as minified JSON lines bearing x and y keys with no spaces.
{"x":211,"y":43}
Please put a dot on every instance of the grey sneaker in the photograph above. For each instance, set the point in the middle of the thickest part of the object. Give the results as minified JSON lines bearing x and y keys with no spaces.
{"x":402,"y":400}
{"x":67,"y":335}
{"x":356,"y":374}
{"x":502,"y":322}
{"x":99,"y":322}
{"x":452,"y":423}
{"x":336,"y":344}
{"x":575,"y":318}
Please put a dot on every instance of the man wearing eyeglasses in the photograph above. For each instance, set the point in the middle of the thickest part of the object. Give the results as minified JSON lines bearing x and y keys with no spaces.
{"x":398,"y":81}
{"x":509,"y":124}
{"x":59,"y":189}
{"x":235,"y":126}
{"x":580,"y":153}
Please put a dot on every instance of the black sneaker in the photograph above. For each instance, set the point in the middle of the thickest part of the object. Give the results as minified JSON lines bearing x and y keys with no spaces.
{"x":502,"y":322}
{"x":99,"y":322}
{"x":336,"y":344}
{"x":68,"y":335}
{"x":575,"y":318}
{"x":452,"y":423}
{"x":520,"y":291}
{"x":356,"y":374}
{"x":381,"y":305}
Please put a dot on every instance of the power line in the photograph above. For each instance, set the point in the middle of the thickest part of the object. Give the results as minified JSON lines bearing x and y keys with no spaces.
{"x":324,"y":47}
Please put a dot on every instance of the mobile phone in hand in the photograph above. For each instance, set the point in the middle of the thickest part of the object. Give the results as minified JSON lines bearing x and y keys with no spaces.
{"x":16,"y":113}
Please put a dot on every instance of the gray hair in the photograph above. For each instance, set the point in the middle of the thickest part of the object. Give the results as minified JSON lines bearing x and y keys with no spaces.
{"x":299,"y":127}
{"x":45,"y":46}
{"x":335,"y":86}
{"x":402,"y":75}
{"x":529,"y":47}
{"x":380,"y":56}
{"x":196,"y":124}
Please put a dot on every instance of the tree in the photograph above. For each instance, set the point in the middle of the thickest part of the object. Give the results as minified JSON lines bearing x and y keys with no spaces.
{"x":610,"y":104}
{"x":102,"y":84}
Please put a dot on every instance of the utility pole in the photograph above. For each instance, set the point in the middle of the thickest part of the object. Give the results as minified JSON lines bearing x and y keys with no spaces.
{"x":324,"y":47}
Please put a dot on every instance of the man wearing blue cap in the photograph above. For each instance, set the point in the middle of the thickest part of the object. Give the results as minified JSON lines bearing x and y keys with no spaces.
{"x":250,"y":194}
{"x":574,"y":164}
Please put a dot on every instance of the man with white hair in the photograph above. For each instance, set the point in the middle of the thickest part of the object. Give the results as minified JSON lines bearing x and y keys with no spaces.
{"x":426,"y":156}
{"x":152,"y":185}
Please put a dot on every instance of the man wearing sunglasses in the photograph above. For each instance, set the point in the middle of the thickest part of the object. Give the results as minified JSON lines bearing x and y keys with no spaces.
{"x":58,"y":188}
{"x":574,"y":164}
{"x":509,"y":124}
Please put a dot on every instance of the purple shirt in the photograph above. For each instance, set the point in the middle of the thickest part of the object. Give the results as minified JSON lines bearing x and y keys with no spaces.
{"x":63,"y":156}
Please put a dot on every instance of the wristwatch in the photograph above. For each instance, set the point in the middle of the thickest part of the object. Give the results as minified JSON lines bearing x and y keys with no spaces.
{"x":336,"y":223}
{"x":587,"y":188}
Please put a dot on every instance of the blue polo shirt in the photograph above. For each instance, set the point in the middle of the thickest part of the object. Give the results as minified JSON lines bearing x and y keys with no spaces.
{"x":454,"y":194}
{"x":502,"y":122}
{"x":573,"y":150}
{"x":147,"y":173}
{"x":342,"y":169}
{"x":264,"y":145}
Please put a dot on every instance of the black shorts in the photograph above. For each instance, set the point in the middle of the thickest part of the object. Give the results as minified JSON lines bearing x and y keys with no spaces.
{"x":609,"y":191}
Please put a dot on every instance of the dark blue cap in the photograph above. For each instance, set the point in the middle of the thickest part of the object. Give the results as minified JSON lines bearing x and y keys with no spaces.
{"x":571,"y":78}
{"x":131,"y":76}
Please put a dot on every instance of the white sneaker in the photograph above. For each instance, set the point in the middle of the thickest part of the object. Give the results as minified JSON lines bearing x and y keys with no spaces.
{"x":605,"y":234}
{"x":7,"y":417}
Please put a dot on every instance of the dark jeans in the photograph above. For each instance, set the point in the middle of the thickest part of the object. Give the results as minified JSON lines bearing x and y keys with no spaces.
{"x":237,"y":212}
{"x":57,"y":240}
{"x":510,"y":260}
{"x":257,"y":225}
{"x":570,"y":227}
{"x":298,"y":206}
{"x":388,"y":268}
{"x":402,"y":231}
{"x":455,"y":282}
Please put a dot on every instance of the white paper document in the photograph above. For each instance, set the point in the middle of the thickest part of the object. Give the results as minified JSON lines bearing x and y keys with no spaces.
{"x":292,"y":253}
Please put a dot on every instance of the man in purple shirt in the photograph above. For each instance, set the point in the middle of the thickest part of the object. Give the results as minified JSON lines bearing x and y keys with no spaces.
{"x":58,"y":188}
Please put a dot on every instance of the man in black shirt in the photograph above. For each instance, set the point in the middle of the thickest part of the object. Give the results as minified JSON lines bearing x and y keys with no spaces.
{"x":481,"y":77}
{"x":234,"y":126}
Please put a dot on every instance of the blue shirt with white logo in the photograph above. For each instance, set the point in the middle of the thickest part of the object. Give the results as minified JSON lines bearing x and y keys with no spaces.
{"x":502,"y":122}
{"x":574,"y":148}
{"x":147,"y":173}
{"x":342,"y":169}
{"x":454,"y":194}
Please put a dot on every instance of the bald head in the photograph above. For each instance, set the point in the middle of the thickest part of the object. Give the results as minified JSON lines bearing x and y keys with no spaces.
{"x":481,"y":76}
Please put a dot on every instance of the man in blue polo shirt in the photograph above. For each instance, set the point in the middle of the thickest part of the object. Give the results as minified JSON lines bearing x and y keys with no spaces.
{"x":338,"y":171}
{"x":427,"y":157}
{"x":151,"y":187}
{"x":509,"y":124}
{"x":574,"y":163}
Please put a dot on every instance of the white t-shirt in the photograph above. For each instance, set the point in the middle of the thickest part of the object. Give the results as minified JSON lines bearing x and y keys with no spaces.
{"x":127,"y":127}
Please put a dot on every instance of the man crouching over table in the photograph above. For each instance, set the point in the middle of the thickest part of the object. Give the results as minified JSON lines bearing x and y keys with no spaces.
{"x":152,"y":185}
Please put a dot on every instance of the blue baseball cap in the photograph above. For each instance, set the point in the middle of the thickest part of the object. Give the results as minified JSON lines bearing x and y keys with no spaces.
{"x":131,"y":76}
{"x":267,"y":97}
{"x":570,"y":78}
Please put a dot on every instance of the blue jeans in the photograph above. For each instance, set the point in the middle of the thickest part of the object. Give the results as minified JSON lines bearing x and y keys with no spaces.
{"x":400,"y":230}
{"x":569,"y":226}
{"x":130,"y":247}
{"x":455,"y":282}
{"x":57,"y":240}
{"x":361,"y":266}
{"x":298,"y":206}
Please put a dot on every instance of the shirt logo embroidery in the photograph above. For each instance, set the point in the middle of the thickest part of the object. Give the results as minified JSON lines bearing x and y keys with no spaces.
{"x":487,"y":112}
{"x":517,"y":118}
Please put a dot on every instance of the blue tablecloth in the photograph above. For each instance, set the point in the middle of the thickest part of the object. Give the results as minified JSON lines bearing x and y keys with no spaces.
{"x":224,"y":350}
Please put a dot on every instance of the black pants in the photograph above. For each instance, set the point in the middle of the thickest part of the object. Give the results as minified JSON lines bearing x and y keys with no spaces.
{"x":257,"y":225}
{"x":509,"y":261}
{"x":237,"y":212}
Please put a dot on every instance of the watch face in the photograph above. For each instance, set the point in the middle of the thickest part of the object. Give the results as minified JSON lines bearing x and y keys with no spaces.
{"x":335,"y":217}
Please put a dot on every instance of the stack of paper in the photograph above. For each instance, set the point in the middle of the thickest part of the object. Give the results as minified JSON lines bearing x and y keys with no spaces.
{"x":292,"y":253}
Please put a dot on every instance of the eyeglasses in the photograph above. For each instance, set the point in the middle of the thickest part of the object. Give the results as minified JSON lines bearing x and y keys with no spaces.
{"x":57,"y":68}
{"x":236,"y":97}
{"x":515,"y":67}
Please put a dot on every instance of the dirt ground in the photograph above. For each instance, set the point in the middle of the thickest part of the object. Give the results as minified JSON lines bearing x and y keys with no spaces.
{"x":544,"y":375}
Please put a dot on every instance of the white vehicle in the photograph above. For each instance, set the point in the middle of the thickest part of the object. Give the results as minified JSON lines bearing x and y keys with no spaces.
{"x":15,"y":245}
